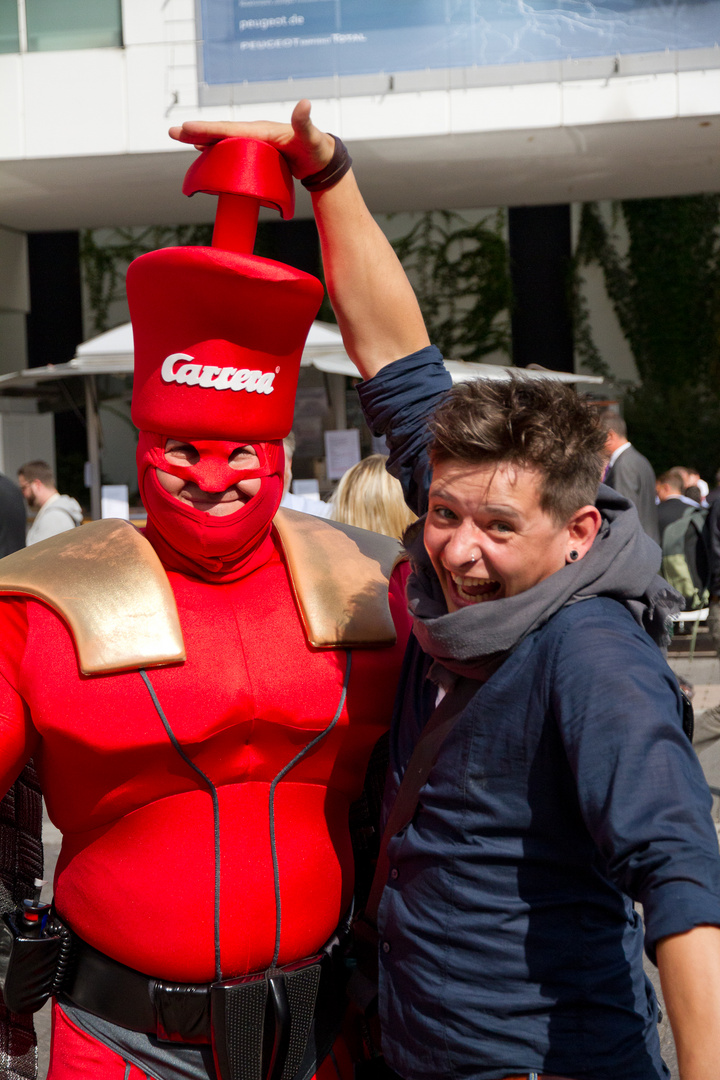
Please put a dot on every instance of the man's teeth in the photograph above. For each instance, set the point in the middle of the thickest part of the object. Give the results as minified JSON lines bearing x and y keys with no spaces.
{"x":475,"y":589}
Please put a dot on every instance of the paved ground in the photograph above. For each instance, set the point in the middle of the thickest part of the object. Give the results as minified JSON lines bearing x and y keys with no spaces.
{"x":703,"y":671}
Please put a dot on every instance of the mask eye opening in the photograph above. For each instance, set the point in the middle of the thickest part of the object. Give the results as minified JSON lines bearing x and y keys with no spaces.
{"x":245,"y":457}
{"x":180,"y":454}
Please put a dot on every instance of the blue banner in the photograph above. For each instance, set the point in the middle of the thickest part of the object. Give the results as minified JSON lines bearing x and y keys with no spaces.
{"x":272,"y":40}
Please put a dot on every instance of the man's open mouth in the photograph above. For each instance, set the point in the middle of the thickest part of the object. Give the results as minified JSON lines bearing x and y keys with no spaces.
{"x":475,"y":590}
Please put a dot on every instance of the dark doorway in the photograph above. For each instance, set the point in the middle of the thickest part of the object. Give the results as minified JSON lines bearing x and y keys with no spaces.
{"x":540,"y":253}
{"x":54,"y":331}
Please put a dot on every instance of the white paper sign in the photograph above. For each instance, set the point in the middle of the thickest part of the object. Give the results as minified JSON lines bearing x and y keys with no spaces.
{"x":309,"y":489}
{"x":342,"y":451}
{"x":114,"y":501}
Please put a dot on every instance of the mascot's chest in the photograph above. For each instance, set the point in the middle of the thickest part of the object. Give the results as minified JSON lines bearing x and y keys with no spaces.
{"x":249,"y":670}
{"x":246,"y":674}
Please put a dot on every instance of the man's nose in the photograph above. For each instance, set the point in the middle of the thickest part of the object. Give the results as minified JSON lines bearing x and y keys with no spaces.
{"x":213,"y":475}
{"x":463,"y":548}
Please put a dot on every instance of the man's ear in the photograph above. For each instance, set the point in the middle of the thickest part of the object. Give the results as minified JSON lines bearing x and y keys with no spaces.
{"x":582,"y":529}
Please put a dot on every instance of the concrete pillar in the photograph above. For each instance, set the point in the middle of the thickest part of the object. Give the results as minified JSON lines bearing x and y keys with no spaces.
{"x":14,"y":300}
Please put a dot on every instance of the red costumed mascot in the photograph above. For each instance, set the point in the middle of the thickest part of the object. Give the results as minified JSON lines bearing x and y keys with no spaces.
{"x":200,"y":702}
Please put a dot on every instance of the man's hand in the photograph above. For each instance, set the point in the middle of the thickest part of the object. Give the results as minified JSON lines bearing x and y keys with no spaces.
{"x":375,"y":306}
{"x":306,"y":149}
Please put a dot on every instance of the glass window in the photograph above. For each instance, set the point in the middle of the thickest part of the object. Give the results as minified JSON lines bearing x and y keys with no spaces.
{"x":67,"y":24}
{"x":9,"y":38}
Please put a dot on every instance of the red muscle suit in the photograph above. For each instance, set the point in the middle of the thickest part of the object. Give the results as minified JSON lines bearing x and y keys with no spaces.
{"x":201,"y":703}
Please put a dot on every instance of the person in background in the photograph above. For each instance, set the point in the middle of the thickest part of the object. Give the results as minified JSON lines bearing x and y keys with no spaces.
{"x":369,"y":497}
{"x":289,"y":501}
{"x":695,"y":489}
{"x":669,"y":487}
{"x":630,"y":473}
{"x":693,"y":479}
{"x":56,"y":513}
{"x":12,"y":517}
{"x":697,"y":481}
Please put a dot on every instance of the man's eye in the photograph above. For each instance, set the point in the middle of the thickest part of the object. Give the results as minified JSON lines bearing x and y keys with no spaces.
{"x":501,"y":527}
{"x":443,"y":512}
{"x":181,"y":454}
{"x":244,"y":457}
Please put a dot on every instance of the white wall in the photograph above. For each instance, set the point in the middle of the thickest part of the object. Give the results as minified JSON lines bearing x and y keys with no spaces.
{"x":119,"y":101}
{"x":102,"y":101}
{"x":25,"y":436}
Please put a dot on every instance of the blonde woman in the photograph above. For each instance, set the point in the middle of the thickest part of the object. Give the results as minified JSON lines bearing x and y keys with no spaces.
{"x":367,"y":496}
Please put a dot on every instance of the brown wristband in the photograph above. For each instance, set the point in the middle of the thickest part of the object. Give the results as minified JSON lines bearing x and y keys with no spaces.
{"x":335,"y":169}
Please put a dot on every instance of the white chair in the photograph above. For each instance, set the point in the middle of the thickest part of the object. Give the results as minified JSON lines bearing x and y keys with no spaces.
{"x":695,"y":617}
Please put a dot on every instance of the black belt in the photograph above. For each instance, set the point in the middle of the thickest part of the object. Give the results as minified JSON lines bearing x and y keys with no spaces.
{"x":274,"y":1025}
{"x":130,"y":999}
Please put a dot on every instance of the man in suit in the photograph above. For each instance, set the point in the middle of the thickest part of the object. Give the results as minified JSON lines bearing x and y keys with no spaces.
{"x":630,"y":473}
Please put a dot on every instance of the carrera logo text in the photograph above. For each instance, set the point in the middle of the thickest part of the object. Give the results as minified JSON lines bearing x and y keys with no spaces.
{"x":179,"y":368}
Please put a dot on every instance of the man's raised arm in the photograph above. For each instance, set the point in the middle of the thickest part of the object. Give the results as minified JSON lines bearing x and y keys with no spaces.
{"x":373,"y":300}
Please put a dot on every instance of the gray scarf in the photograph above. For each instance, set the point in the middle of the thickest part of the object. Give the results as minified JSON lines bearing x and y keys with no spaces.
{"x":622,"y":563}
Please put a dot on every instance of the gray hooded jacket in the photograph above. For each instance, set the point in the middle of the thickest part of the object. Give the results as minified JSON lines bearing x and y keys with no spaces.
{"x":59,"y":514}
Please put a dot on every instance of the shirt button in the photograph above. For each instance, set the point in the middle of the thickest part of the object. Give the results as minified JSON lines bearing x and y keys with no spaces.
{"x":394,"y":873}
{"x":386,"y":946}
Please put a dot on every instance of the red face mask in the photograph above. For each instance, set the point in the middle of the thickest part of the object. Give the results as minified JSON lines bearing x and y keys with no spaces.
{"x":215,"y":547}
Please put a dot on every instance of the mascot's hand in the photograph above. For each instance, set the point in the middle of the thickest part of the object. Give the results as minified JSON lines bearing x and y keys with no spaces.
{"x":306,"y":149}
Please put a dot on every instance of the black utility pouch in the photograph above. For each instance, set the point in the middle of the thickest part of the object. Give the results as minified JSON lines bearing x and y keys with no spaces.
{"x":261,"y":1023}
{"x":28,"y":964}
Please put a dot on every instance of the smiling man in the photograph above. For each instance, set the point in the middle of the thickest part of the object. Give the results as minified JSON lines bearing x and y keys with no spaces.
{"x":488,"y":517}
{"x":235,"y":482}
{"x":509,"y":895}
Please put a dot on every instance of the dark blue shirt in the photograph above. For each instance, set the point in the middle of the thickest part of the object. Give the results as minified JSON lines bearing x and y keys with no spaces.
{"x":565,"y":791}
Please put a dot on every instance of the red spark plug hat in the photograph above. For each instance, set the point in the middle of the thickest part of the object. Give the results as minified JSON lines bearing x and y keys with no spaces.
{"x":219,"y":332}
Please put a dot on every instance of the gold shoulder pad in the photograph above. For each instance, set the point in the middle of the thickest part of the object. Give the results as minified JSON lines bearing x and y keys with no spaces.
{"x":340,"y":578}
{"x":109,"y":586}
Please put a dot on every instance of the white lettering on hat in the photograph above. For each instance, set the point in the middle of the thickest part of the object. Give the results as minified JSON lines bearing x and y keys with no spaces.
{"x":208,"y":376}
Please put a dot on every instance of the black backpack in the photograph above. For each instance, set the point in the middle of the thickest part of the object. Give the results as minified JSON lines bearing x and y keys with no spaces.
{"x":685,"y":559}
